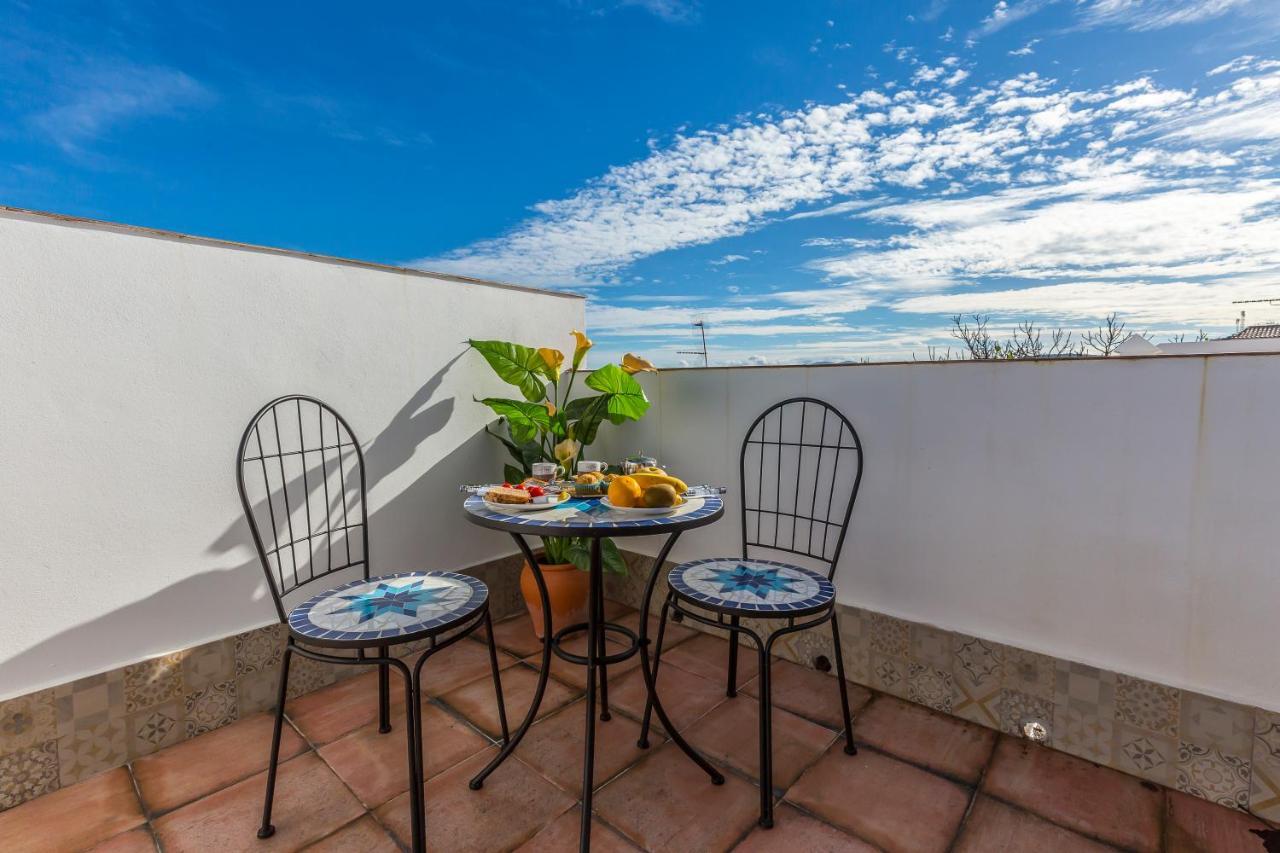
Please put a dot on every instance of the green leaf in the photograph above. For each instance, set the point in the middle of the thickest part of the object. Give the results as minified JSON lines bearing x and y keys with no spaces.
{"x":525,"y":420}
{"x":626,"y":399}
{"x":611,"y":557}
{"x":512,"y":474}
{"x":518,"y":365}
{"x":588,"y":413}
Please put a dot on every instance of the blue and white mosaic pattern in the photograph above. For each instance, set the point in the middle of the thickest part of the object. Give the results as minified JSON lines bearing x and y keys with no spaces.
{"x":759,"y":586}
{"x":591,"y":513}
{"x":388,"y":607}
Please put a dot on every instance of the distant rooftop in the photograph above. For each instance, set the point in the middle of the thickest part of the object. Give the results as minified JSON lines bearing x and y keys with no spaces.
{"x":1268,"y":330}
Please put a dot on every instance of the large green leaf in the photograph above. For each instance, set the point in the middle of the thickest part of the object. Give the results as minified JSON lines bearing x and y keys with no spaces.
{"x":626,"y":399}
{"x":525,"y":420}
{"x":587,"y":413}
{"x":519,"y":365}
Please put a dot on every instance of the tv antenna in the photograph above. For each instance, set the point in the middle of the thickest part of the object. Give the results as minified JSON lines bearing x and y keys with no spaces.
{"x":699,"y":323}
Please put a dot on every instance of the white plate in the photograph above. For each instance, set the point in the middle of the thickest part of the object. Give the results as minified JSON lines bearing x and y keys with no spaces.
{"x":641,"y":510}
{"x":531,"y":507}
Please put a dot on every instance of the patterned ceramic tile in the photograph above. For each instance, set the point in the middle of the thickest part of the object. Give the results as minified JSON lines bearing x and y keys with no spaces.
{"x":28,"y":773}
{"x":1085,"y":689}
{"x":1264,"y":795}
{"x":930,"y":687}
{"x":889,"y":636}
{"x":1028,"y":672}
{"x":154,"y":728}
{"x":931,"y":646}
{"x":211,"y":663}
{"x":152,"y":682}
{"x":1147,"y":705}
{"x":1208,"y":773}
{"x":805,"y":647}
{"x":257,"y":691}
{"x":306,"y":675}
{"x":890,"y":675}
{"x":26,"y":721}
{"x":1141,"y":753}
{"x":977,"y":672}
{"x":1017,"y":708}
{"x":210,"y":708}
{"x":259,"y":649}
{"x":91,"y":749}
{"x":855,"y":644}
{"x":1207,"y":721}
{"x":89,"y":702}
{"x":1080,"y":733}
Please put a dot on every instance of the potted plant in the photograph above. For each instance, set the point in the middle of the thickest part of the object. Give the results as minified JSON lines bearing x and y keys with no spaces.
{"x":550,"y":424}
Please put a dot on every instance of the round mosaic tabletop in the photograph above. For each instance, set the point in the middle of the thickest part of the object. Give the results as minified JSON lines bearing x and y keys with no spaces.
{"x":578,"y":517}
{"x":752,"y":586}
{"x":397,"y":607}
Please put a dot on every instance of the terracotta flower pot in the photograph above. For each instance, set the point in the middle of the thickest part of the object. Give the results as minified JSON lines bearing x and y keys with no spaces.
{"x":567,"y":590}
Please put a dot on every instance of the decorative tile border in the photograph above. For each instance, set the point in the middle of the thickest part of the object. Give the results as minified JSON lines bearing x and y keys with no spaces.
{"x":61,"y":735}
{"x":1215,"y":749}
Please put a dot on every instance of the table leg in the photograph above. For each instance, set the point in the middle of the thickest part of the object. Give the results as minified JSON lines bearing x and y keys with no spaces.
{"x":717,"y":778}
{"x":543,"y":672}
{"x":594,"y":632}
{"x":598,"y":603}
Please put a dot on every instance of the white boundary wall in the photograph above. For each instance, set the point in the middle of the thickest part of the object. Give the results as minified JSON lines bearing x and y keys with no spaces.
{"x":1123,"y":513}
{"x":130,"y":362}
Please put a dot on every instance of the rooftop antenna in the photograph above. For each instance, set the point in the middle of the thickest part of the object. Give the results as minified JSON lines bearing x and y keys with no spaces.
{"x":699,"y":323}
{"x":1240,"y":324}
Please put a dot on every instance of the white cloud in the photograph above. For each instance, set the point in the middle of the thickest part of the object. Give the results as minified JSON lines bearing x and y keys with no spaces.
{"x":1026,"y":50}
{"x":727,"y":259}
{"x":1155,"y":14}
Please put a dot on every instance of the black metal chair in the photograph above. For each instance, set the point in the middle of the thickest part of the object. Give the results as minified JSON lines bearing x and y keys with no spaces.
{"x":301,"y":476}
{"x":815,"y":454}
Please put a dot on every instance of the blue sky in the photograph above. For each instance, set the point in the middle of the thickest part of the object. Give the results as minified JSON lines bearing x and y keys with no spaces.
{"x":818,"y":180}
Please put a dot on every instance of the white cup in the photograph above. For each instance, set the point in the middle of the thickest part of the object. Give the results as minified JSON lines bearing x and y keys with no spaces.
{"x":586,"y":467}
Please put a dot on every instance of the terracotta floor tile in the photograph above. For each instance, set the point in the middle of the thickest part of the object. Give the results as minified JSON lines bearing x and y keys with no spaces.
{"x":731,"y":733}
{"x":102,"y":807}
{"x":460,"y":664}
{"x":992,"y":825}
{"x":137,"y":840}
{"x":363,"y":835}
{"x":796,"y":832}
{"x":667,"y":803}
{"x":564,"y":834}
{"x":576,"y":675}
{"x":1096,"y":801}
{"x":883,"y":800}
{"x":515,"y":635}
{"x":553,"y":747}
{"x":708,"y":656}
{"x":187,"y":771}
{"x":310,"y":803}
{"x":1193,"y":824}
{"x":476,"y":701}
{"x":685,"y":696}
{"x":676,"y":633}
{"x":514,"y":804}
{"x":376,"y":766}
{"x":811,"y":694}
{"x":938,"y":741}
{"x":331,"y":712}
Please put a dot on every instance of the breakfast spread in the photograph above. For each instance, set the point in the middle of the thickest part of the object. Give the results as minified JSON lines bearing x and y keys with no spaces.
{"x":646,"y":489}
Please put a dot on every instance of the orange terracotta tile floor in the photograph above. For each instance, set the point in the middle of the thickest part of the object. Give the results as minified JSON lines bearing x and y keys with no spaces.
{"x":921,"y":781}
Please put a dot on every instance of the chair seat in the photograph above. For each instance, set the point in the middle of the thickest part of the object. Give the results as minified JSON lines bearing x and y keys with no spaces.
{"x":388,"y":609}
{"x":754,"y":587}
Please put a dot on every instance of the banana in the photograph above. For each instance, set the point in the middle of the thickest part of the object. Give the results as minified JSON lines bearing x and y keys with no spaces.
{"x":646,"y":480}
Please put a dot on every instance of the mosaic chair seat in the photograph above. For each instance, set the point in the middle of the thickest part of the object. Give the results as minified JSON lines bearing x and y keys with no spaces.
{"x":800,"y":470}
{"x":301,"y":477}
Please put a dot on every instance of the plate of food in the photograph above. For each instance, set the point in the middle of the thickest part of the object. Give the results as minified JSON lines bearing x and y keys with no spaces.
{"x":521,"y":498}
{"x":650,"y":492}
{"x":639,"y":510}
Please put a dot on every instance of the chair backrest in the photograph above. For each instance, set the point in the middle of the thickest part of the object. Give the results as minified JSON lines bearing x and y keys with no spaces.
{"x":300,"y":472}
{"x":801,"y":467}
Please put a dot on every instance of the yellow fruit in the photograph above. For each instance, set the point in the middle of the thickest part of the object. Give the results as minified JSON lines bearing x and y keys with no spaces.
{"x":625,"y":492}
{"x":647,"y":480}
{"x":651,"y":469}
{"x":660,"y":495}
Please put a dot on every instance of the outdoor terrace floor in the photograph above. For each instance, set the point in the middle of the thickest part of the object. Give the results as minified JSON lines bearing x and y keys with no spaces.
{"x":921,"y":781}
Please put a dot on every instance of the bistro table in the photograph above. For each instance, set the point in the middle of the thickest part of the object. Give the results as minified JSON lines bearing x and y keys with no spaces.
{"x":593,"y":520}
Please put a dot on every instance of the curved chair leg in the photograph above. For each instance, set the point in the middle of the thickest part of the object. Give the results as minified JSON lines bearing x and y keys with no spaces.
{"x":732,"y":689}
{"x":384,"y":692}
{"x":766,"y":740}
{"x":643,"y":743}
{"x":413,"y":735}
{"x":849,"y":748}
{"x":267,"y":830}
{"x":497,"y":679}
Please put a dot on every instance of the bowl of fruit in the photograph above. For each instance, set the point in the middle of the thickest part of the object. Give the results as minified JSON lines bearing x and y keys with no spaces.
{"x":645,"y":491}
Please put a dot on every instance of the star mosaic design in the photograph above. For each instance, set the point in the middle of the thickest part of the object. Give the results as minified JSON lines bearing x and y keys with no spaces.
{"x":385,"y":598}
{"x":759,"y":582}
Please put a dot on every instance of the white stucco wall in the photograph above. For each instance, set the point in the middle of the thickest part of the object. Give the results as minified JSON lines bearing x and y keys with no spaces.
{"x":129,"y":365}
{"x":1118,"y":512}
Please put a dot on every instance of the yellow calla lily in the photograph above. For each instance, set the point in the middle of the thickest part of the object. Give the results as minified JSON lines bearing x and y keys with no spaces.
{"x":566,"y":450}
{"x":635,"y":364}
{"x":553,"y":359}
{"x":583,"y":344}
{"x":551,"y":407}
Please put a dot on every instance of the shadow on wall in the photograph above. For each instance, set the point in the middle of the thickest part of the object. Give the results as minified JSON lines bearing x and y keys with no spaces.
{"x":405,"y":533}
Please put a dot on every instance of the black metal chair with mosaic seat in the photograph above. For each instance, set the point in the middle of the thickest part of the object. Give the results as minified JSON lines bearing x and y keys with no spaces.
{"x":800,"y":470}
{"x":301,"y":477}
